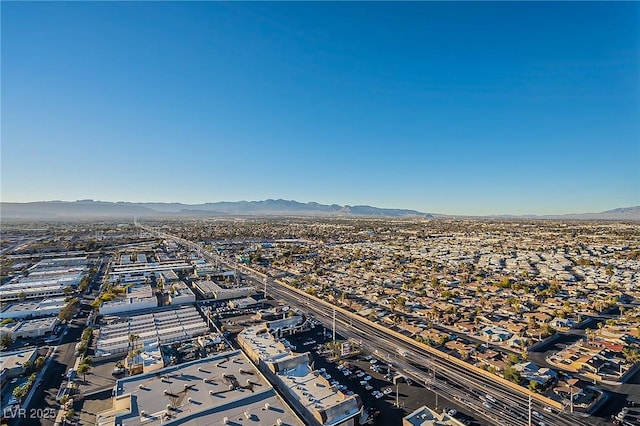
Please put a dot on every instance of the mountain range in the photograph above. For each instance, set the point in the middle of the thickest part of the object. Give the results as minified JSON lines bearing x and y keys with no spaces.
{"x":104,"y":209}
{"x":90,"y":208}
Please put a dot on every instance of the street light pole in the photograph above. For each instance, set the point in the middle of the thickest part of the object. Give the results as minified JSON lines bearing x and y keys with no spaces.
{"x":434,"y":387}
{"x":334,"y":325}
{"x":571,"y":398}
{"x":397,"y":401}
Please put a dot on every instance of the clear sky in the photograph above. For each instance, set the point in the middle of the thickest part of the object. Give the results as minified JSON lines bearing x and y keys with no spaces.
{"x":464,"y":108}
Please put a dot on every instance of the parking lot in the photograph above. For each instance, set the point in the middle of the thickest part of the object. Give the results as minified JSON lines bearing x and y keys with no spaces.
{"x":371,"y":378}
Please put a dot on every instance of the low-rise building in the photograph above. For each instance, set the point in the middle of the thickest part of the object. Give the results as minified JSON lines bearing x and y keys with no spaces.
{"x":33,"y":309}
{"x":308,"y":392}
{"x":167,"y":325}
{"x":148,"y":359}
{"x":14,"y":362}
{"x":243,"y":303}
{"x":128,"y":304}
{"x":221,"y":389}
{"x":29,"y":328}
{"x":180,"y":293}
{"x":425,"y":416}
{"x":211,"y":290}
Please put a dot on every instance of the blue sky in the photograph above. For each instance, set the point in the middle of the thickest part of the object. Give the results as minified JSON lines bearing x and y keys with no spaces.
{"x":466,"y":108}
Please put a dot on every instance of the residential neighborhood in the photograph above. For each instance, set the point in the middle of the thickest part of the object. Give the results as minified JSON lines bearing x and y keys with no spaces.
{"x":548,"y":308}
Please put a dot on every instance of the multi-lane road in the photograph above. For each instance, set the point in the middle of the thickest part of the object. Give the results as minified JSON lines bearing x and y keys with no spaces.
{"x":491,"y":400}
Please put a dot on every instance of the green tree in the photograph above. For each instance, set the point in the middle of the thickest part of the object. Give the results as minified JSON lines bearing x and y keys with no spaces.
{"x":87,"y":333}
{"x":66,"y":313}
{"x":84,"y":369}
{"x":631,"y":355}
{"x":20,"y":392}
{"x":6,"y":340}
{"x":39,"y":362}
{"x":534,"y":386}
{"x":132,"y":339}
{"x":69,"y":414}
{"x":512,"y":375}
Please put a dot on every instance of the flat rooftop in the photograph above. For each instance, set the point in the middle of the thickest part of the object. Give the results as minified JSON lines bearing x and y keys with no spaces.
{"x":201,"y":392}
{"x":424,"y":416}
{"x":36,"y":308}
{"x":35,"y":324}
{"x":167,"y":325}
{"x":306,"y":386}
{"x":12,"y":360}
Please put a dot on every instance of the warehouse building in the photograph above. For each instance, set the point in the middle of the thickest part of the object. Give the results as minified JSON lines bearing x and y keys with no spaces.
{"x":221,"y":389}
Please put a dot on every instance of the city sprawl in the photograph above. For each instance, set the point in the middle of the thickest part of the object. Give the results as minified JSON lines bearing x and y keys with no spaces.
{"x":320,"y":321}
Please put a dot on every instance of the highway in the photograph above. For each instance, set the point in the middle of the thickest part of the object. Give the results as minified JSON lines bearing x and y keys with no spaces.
{"x":451,"y":381}
{"x":489,"y":398}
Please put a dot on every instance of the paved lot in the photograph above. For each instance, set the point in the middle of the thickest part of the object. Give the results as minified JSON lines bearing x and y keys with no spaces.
{"x":99,"y":377}
{"x":409,"y":397}
{"x":89,"y":406}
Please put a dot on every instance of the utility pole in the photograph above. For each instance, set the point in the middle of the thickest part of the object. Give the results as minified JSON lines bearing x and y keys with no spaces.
{"x":397,"y":401}
{"x":265,"y":288}
{"x":334,"y":325}
{"x":434,"y":387}
{"x":530,"y":410}
{"x":571,"y":398}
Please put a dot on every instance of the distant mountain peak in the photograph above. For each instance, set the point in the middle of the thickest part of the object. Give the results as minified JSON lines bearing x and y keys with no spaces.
{"x":91,"y":208}
{"x":269,"y":207}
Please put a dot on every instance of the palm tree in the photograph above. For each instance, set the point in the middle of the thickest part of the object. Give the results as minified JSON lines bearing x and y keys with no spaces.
{"x":84,"y":369}
{"x":132,"y":339}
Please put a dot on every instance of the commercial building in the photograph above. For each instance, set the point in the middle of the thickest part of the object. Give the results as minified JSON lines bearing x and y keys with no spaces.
{"x":29,"y":328}
{"x":14,"y":362}
{"x":221,"y":389}
{"x":33,"y":309}
{"x":147,"y":360}
{"x":138,"y":297}
{"x":61,"y":265}
{"x":202,"y":268}
{"x":39,"y":286}
{"x":180,"y":293}
{"x":124,"y":272}
{"x":211,"y":290}
{"x":245,"y":302}
{"x":167,"y":326}
{"x":424,"y":416}
{"x":308,"y":392}
{"x":48,"y":278}
{"x":128,"y":304}
{"x":168,"y":276}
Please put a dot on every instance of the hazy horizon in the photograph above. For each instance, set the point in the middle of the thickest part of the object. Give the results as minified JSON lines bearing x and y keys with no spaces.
{"x":312,"y":201}
{"x":473,"y":108}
